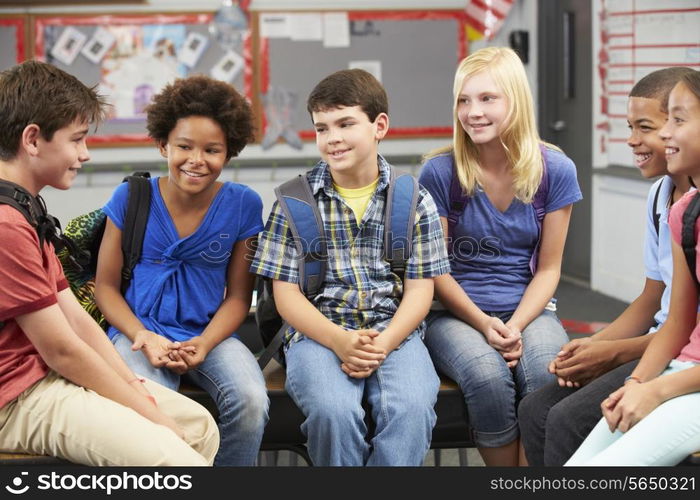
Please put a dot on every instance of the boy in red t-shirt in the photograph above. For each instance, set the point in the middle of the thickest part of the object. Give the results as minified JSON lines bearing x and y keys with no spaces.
{"x":64,"y":390}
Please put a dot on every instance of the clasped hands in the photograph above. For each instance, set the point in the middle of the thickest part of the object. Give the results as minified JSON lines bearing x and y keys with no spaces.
{"x":506,"y":338}
{"x":625,"y":407}
{"x":179,"y":357}
{"x":361,"y":352}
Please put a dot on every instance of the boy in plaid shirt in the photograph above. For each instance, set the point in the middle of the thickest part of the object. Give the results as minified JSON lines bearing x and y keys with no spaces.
{"x":361,"y":336}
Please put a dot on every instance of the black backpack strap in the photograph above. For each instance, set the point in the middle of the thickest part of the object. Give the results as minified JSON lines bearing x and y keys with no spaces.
{"x":17,"y":197}
{"x":137,"y":210}
{"x":273,"y":347}
{"x":655,"y":207}
{"x":688,"y":234}
{"x":299,"y":206}
{"x":399,"y":220}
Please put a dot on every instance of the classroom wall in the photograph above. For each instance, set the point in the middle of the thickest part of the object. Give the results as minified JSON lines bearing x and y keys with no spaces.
{"x":93,"y":189}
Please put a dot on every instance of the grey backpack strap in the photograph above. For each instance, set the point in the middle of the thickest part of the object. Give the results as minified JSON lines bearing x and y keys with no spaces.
{"x":399,"y":220}
{"x":299,"y":206}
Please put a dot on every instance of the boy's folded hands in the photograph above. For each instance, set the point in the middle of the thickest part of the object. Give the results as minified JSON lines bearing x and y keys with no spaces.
{"x":358,"y":352}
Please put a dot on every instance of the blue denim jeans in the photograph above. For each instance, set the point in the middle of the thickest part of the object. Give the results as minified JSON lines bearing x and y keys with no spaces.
{"x":231,"y":376}
{"x":401,"y":395}
{"x":491,"y":390}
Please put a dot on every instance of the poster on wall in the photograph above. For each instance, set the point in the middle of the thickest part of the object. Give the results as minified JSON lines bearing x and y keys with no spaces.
{"x":143,"y":61}
{"x":131,"y":57}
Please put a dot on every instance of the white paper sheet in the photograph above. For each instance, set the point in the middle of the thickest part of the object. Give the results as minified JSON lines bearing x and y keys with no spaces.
{"x":68,"y":45}
{"x":193,"y":48}
{"x":336,"y":29}
{"x":274,"y":25}
{"x":305,"y":26}
{"x":228,"y":67}
{"x":95,"y":49}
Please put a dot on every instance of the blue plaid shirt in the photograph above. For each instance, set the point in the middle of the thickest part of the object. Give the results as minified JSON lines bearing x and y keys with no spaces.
{"x":359,"y":290}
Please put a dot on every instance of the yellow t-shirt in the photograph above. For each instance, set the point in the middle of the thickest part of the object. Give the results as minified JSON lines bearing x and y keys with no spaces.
{"x":357,"y":198}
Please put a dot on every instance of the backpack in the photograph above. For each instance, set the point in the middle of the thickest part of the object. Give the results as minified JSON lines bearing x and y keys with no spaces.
{"x":459,"y":200}
{"x":86,"y":231}
{"x":34,"y":211}
{"x":688,"y":241}
{"x":301,"y":210}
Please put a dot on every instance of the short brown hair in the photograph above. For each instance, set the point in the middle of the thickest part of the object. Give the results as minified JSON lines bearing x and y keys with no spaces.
{"x":201,"y":95}
{"x":38,"y":93}
{"x":658,"y":84}
{"x":349,"y":87}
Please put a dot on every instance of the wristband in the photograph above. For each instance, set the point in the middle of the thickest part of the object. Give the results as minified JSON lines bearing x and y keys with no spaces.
{"x":633,"y":377}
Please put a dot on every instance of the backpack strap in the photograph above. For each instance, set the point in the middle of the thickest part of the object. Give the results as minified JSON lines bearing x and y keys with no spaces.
{"x":538,"y":204}
{"x":655,"y":208}
{"x":34,"y":211}
{"x":13,"y":195}
{"x":264,"y":293}
{"x":299,"y":206}
{"x":688,"y":234}
{"x":137,"y":210}
{"x":399,"y":219}
{"x":16,"y":198}
{"x":458,"y":203}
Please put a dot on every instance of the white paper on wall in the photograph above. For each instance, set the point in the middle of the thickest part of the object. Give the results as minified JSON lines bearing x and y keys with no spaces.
{"x":193,"y":48}
{"x":68,"y":45}
{"x":336,"y":29}
{"x":95,"y":49}
{"x":228,"y":67}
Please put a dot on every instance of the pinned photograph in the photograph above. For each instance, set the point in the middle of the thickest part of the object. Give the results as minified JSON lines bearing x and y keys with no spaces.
{"x":95,"y":49}
{"x":68,"y":45}
{"x":193,"y":48}
{"x":228,"y":67}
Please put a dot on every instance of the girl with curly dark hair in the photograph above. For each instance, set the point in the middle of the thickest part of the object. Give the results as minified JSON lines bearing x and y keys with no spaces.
{"x":191,"y":290}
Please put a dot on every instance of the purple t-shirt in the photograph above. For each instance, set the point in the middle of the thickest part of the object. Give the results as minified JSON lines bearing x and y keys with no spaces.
{"x":492,"y":249}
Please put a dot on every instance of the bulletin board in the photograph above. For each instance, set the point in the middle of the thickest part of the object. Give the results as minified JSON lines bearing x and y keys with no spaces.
{"x":417,"y":53}
{"x":144,"y":55}
{"x":636,"y":37}
{"x":13,"y":40}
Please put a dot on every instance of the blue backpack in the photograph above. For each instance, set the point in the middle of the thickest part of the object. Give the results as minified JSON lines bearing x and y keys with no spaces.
{"x":301,"y":210}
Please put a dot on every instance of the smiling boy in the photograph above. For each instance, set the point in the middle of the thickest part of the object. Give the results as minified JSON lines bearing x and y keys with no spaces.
{"x":360,"y":337}
{"x":64,"y":390}
{"x":555,"y":419}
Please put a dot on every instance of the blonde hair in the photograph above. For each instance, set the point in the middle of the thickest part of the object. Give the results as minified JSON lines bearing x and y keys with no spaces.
{"x":519,"y":137}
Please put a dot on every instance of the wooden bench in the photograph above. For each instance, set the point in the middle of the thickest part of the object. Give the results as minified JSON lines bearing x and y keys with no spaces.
{"x":283,"y":431}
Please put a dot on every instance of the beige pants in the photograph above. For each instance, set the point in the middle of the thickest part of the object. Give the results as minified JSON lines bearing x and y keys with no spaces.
{"x":58,"y":418}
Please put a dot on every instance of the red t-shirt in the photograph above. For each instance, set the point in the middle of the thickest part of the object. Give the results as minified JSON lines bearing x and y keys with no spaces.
{"x":691,"y":352}
{"x":29,"y":281}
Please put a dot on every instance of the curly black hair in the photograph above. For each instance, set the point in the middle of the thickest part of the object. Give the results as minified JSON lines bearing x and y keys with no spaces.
{"x":200,"y":95}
